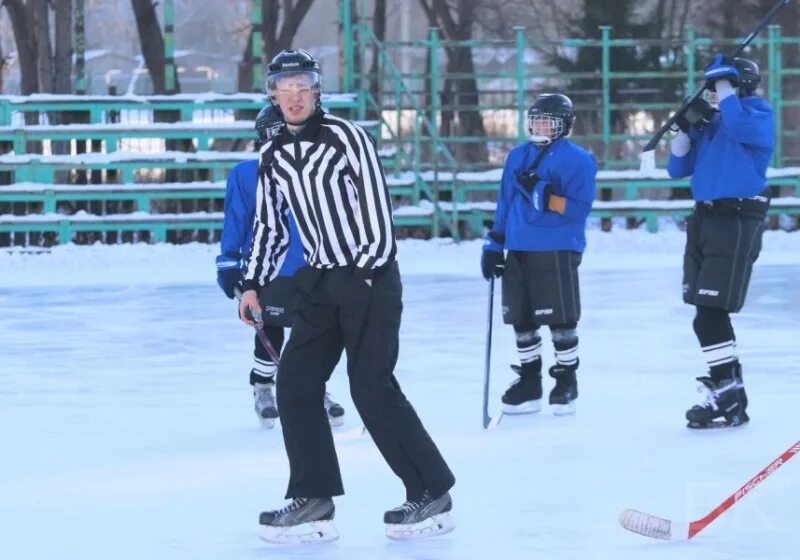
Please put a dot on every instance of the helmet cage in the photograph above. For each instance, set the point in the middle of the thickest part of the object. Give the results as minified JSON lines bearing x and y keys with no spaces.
{"x":554,"y":123}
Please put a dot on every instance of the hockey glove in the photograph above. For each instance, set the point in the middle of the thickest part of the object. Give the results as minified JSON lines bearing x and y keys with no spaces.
{"x":697,"y":115}
{"x":229,"y":273}
{"x":493,"y":260}
{"x":493,"y":263}
{"x":721,"y":68}
{"x":528,"y":180}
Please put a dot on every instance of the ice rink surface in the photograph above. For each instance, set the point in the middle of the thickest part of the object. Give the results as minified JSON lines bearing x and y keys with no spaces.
{"x":128,"y":432}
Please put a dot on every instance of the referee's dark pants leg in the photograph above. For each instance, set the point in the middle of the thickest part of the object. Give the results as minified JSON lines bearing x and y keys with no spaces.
{"x":312,"y":352}
{"x":341,"y":309}
{"x":370,"y":320}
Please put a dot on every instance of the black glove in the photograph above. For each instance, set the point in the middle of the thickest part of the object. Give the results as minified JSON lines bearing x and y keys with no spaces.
{"x":493,"y":263}
{"x":497,"y":237}
{"x":528,"y":180}
{"x":698,"y":114}
{"x":229,"y":272}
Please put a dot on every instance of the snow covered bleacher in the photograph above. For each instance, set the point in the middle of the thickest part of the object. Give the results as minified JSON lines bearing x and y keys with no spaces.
{"x":137,"y":190}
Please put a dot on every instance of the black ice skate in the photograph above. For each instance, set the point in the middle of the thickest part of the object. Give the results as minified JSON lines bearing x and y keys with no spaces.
{"x":418,"y":519}
{"x":304,"y":520}
{"x":724,"y":406}
{"x":524,"y":395}
{"x":265,"y":407}
{"x":334,"y":410}
{"x":563,"y":395}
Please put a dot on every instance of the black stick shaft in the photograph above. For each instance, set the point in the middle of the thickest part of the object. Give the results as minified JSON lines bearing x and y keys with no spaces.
{"x":262,"y":336}
{"x":487,"y":365}
{"x":651,"y":145}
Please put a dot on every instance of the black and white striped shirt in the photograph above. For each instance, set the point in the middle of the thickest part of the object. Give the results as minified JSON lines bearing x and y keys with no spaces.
{"x":330,"y":176}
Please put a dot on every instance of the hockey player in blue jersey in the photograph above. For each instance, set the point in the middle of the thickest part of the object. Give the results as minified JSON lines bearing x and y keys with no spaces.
{"x":546,"y":194}
{"x":726,"y":152}
{"x":277,"y":300}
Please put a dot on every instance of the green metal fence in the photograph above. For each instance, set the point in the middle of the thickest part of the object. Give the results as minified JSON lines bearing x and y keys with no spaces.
{"x":617,"y":110}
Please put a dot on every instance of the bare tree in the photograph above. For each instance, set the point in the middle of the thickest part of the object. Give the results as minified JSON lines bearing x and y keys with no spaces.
{"x":22,"y":16}
{"x":41,"y":67}
{"x":2,"y":66}
{"x":62,"y":56}
{"x":41,"y":31}
{"x":280,"y":22}
{"x":152,"y":44}
{"x":457,"y":19}
{"x":379,"y":28}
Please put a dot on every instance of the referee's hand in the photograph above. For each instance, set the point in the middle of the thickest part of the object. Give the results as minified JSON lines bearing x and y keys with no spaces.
{"x":250,"y":309}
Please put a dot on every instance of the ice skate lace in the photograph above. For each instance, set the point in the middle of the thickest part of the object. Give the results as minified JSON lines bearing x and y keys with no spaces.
{"x":296,"y":504}
{"x":409,"y":506}
{"x":711,"y":395}
{"x":517,"y":381}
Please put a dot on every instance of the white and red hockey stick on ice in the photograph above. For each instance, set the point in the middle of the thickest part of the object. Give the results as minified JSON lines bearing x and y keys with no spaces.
{"x":658,"y":528}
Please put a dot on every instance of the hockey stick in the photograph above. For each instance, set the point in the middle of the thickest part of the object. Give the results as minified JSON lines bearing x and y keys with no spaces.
{"x":747,"y":40}
{"x":349,"y":435}
{"x":262,"y":336}
{"x":488,"y":422}
{"x":659,"y":528}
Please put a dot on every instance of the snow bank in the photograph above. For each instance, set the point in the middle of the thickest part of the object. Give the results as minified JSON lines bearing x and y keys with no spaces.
{"x":194,"y":263}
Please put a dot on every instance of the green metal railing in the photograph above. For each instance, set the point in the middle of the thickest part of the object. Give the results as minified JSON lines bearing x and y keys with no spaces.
{"x":422,"y":124}
{"x":606,"y":98}
{"x":203,"y":108}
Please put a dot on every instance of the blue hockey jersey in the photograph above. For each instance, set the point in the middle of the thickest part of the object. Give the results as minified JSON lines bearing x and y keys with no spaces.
{"x":240,"y":211}
{"x":729,"y":158}
{"x":570,"y":170}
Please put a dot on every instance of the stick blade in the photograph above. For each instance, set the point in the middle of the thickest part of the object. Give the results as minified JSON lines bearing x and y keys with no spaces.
{"x":494,"y":422}
{"x":653,"y":527}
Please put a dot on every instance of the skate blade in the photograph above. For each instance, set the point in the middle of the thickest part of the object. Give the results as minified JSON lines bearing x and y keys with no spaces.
{"x":267,"y":423}
{"x":715,"y":425}
{"x":336,"y":420}
{"x":528,"y":407}
{"x":435,"y":525}
{"x":305,"y":533}
{"x":495,"y":422}
{"x":563,"y":409}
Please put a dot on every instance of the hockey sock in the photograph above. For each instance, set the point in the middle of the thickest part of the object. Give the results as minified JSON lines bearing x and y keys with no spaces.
{"x":263,"y":371}
{"x":565,"y":342}
{"x":717,"y":340}
{"x":529,"y":346}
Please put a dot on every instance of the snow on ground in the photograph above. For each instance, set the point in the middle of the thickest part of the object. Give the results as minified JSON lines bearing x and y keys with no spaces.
{"x":128,"y":431}
{"x":194,"y":263}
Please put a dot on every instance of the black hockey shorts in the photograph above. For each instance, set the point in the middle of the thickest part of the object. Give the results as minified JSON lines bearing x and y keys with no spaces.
{"x":723,"y":240}
{"x":278,"y":300}
{"x":541,"y":288}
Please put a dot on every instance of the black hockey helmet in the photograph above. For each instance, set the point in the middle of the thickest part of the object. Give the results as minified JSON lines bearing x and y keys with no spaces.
{"x":749,"y":76}
{"x":293,"y":60}
{"x":555,"y":109}
{"x":268,"y":123}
